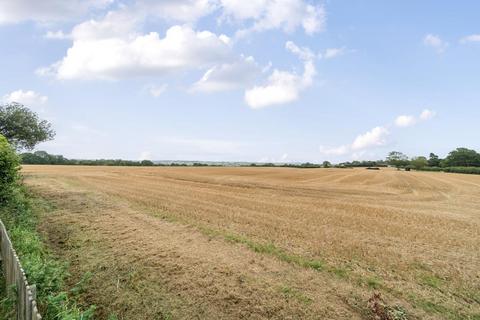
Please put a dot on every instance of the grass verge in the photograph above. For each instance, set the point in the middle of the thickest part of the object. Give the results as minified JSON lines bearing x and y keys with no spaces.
{"x":20,"y":216}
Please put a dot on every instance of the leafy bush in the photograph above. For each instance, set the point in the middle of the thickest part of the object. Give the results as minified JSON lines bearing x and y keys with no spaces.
{"x":42,"y":269}
{"x":9,"y":163}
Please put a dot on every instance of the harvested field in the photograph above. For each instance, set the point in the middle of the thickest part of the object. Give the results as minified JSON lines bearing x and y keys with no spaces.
{"x":265,"y":243}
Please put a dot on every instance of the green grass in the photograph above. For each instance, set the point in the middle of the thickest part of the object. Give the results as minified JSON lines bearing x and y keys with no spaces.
{"x":431,"y":280}
{"x":271,"y":249}
{"x":20,"y":216}
{"x":291,"y":293}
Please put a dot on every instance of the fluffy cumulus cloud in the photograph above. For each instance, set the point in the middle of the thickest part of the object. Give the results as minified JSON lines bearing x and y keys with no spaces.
{"x":275,"y":14}
{"x":376,"y":137}
{"x":373,"y":138}
{"x":116,"y":46}
{"x":408,"y":120}
{"x":46,"y":11}
{"x":112,"y":48}
{"x":405,"y":121}
{"x":229,"y":76}
{"x":282,"y":86}
{"x":470,"y":38}
{"x":26,"y":97}
{"x":435,"y":42}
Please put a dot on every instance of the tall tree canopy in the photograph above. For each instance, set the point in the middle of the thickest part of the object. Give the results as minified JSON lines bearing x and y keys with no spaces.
{"x":22,"y":127}
{"x":397,"y":159}
{"x":463,"y":157}
{"x":433,"y":160}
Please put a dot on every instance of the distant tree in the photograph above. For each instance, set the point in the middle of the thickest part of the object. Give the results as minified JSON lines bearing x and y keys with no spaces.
{"x":419,"y":162}
{"x":462,"y":157}
{"x":433,"y":160}
{"x":326,"y":164}
{"x":146,"y":163}
{"x":397,"y":159}
{"x":22,"y":127}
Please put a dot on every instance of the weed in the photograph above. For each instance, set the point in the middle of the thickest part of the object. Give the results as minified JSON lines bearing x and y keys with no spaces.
{"x":373,"y":282}
{"x":381,"y":311}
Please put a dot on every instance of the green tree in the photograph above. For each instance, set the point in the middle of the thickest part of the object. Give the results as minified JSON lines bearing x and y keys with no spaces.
{"x":146,"y":163}
{"x":462,"y":157}
{"x":419,"y":162}
{"x":22,"y":127}
{"x":433,"y":160}
{"x":326,"y":164}
{"x":397,"y":159}
{"x":9,"y":163}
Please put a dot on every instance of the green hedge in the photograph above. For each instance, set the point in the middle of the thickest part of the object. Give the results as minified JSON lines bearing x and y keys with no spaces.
{"x":9,"y":164}
{"x":467,"y":170}
{"x":17,"y":211}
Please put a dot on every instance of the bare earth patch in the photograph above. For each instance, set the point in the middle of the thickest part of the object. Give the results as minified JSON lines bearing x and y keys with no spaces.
{"x":258,"y":243}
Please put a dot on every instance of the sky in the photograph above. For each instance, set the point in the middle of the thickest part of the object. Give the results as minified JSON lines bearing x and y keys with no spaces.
{"x":235,"y":80}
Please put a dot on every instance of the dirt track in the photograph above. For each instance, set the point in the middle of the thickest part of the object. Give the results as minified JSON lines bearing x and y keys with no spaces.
{"x":232,"y":242}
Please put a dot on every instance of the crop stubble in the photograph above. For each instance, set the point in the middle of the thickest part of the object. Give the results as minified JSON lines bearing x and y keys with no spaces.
{"x":241,"y":242}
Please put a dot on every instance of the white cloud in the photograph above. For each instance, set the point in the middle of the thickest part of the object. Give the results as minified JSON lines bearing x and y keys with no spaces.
{"x":276,"y":14}
{"x":228,"y":76}
{"x":111,"y":49}
{"x":56,"y":35}
{"x":28,"y":98}
{"x":145,"y":155}
{"x":331,"y":53}
{"x":470,"y":38}
{"x":303,"y":53}
{"x":335,"y":151}
{"x":427,"y":114}
{"x":435,"y":42}
{"x":46,"y":11}
{"x":373,"y":138}
{"x":283,"y":87}
{"x":405,"y":121}
{"x":157,"y":91}
{"x":178,"y":10}
{"x":376,"y":137}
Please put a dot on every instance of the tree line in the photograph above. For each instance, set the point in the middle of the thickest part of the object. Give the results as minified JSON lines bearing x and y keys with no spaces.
{"x":460,"y":160}
{"x":23,"y":129}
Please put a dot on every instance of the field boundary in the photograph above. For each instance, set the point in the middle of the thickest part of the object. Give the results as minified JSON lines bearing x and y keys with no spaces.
{"x":25,"y":304}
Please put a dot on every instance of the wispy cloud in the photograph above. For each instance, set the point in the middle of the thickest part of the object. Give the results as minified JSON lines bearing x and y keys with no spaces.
{"x":157,"y":90}
{"x":435,"y":42}
{"x":470,"y":38}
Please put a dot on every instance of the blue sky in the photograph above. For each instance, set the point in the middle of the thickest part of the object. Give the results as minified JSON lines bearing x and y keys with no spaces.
{"x":232,"y":80}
